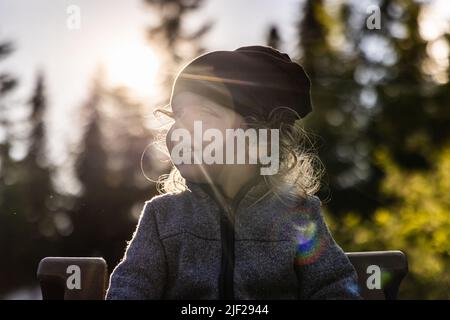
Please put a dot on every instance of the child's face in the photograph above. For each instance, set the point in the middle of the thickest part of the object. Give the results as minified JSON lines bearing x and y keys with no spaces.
{"x":188,"y":107}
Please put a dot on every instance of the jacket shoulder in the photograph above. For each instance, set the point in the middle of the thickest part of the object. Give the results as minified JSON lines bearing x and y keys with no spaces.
{"x":165,"y":202}
{"x":173,"y":212}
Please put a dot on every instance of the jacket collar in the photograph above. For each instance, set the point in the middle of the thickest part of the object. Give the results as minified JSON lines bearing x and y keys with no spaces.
{"x":249,"y":194}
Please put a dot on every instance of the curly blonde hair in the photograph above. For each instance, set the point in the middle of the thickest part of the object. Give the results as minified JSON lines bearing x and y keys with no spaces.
{"x":300,"y":170}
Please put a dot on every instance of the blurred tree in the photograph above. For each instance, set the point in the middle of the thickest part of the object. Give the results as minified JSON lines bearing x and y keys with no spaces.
{"x":7,"y":190}
{"x":7,"y":85}
{"x":170,"y":34}
{"x":381,"y":107}
{"x":7,"y":81}
{"x":370,"y":89}
{"x":37,"y":186}
{"x":273,"y":37}
{"x":414,"y":91}
{"x":39,"y":231}
{"x":108,"y":167}
{"x":330,"y":59}
{"x":170,"y":31}
{"x":27,"y":224}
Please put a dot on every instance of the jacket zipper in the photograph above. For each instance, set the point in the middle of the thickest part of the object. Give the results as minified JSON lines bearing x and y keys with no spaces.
{"x":227,"y":230}
{"x":227,"y":223}
{"x":226,"y":287}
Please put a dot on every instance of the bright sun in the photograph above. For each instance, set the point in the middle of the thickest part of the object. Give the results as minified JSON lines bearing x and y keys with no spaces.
{"x":133,"y":65}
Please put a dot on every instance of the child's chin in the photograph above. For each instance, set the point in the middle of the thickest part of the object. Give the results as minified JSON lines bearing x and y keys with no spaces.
{"x":192,"y":173}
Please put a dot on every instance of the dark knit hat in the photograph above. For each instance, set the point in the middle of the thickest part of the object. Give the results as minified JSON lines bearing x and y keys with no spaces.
{"x":252,"y":80}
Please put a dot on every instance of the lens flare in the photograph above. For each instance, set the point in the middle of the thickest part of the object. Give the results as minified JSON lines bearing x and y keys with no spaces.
{"x":354,"y":288}
{"x":309,"y":244}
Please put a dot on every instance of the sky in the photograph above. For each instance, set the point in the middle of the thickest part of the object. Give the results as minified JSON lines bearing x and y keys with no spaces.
{"x":112,"y":30}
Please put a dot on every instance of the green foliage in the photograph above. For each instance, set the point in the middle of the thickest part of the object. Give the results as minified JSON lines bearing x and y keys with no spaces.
{"x":382,"y":115}
{"x":417,"y":222}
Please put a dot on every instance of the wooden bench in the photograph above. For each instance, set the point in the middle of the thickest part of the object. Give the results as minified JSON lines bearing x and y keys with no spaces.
{"x":380,"y":274}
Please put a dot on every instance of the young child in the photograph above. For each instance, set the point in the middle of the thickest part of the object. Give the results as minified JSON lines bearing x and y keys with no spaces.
{"x":229,"y":229}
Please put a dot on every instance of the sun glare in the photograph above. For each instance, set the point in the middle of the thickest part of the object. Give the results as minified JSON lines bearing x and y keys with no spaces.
{"x":132,"y":65}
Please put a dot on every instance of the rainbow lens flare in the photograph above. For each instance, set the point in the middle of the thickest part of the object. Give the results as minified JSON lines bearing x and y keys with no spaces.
{"x":309,"y":244}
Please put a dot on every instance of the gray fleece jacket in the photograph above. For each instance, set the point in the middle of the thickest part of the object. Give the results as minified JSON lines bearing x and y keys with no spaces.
{"x":199,"y":245}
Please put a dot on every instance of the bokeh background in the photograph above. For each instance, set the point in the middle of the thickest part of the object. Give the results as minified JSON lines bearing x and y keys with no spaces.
{"x":76,"y":119}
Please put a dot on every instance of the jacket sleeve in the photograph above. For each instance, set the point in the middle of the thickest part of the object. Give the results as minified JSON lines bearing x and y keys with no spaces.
{"x":141,"y":273}
{"x":323,"y":270}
